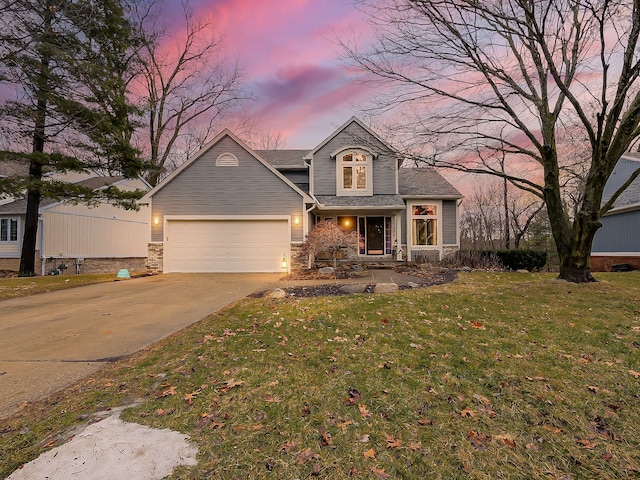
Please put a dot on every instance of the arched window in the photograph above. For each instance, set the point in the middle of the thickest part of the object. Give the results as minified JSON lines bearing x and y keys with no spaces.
{"x":227,"y":160}
{"x":354,"y":173}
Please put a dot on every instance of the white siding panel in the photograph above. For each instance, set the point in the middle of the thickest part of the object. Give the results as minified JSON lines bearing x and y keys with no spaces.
{"x":226,"y":245}
{"x":82,"y":232}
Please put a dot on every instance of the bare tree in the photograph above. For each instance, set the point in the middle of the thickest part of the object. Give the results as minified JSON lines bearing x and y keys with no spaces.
{"x":330,"y":237}
{"x":508,"y":76}
{"x":188,"y":86}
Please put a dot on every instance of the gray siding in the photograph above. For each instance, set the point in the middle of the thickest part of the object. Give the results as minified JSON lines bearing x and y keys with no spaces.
{"x":204,"y":189}
{"x":324,"y":167}
{"x":619,"y":233}
{"x":299,"y":178}
{"x":449,"y":227}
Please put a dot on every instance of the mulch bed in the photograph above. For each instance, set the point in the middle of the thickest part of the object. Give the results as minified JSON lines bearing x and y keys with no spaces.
{"x":333,"y":289}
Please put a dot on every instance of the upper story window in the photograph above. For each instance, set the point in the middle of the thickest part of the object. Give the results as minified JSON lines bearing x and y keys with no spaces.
{"x":8,"y":230}
{"x":354,"y":173}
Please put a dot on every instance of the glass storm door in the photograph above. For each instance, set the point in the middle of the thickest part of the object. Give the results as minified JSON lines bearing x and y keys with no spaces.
{"x":375,"y":235}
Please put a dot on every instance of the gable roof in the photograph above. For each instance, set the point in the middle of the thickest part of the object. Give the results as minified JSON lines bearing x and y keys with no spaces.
{"x":19,"y":206}
{"x":630,"y":198}
{"x":203,"y":150}
{"x":339,"y":130}
{"x":425,"y":182}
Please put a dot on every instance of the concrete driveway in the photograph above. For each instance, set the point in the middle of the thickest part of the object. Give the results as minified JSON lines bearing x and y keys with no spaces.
{"x":51,"y":340}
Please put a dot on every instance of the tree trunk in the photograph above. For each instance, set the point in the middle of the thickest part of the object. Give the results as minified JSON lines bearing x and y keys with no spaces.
{"x":575,"y":264}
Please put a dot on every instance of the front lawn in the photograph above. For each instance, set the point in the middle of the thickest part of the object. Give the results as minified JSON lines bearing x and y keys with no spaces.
{"x":23,"y":286}
{"x":493,"y":376}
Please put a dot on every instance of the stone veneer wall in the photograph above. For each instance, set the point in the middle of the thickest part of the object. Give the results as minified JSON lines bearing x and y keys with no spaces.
{"x":96,"y":265}
{"x":13,"y":264}
{"x":155,"y":252}
{"x":603,"y":263}
{"x":299,"y":261}
{"x":89,"y":265}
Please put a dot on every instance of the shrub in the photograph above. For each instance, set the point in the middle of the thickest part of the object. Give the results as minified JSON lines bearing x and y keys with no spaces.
{"x":329,"y":237}
{"x":522,"y":259}
{"x":473,"y":259}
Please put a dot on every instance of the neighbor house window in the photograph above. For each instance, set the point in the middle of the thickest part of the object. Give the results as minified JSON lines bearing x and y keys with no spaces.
{"x":425,"y":225}
{"x":8,"y":230}
{"x":354,"y":173}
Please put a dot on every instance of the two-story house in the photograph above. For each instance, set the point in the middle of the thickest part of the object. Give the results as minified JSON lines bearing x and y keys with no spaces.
{"x":234,"y":209}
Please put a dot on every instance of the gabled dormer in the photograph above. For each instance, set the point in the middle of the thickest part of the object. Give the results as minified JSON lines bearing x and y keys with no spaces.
{"x":353,"y":162}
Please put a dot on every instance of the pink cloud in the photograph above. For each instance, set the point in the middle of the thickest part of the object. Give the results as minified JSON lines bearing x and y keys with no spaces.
{"x":289,"y":53}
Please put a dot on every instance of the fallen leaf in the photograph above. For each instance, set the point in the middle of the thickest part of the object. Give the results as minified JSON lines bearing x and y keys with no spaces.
{"x":326,"y":437}
{"x":415,"y":446}
{"x":189,"y":396}
{"x":425,"y":421}
{"x":634,"y":373}
{"x":317,"y":468}
{"x":532,"y":446}
{"x":364,"y":411}
{"x":482,"y":398}
{"x":479,"y":440}
{"x":467,"y":412}
{"x":586,"y":443}
{"x":371,"y":453}
{"x":305,"y":456}
{"x":380,"y":473}
{"x":607,"y":457}
{"x":169,"y":391}
{"x":593,"y":389}
{"x":478,"y":325}
{"x":272,"y":399}
{"x":393,"y":442}
{"x":345,"y":424}
{"x":364,"y":438}
{"x":256,"y":427}
{"x":286,"y":447}
{"x":353,"y":398}
{"x":508,"y":440}
{"x":416,"y":345}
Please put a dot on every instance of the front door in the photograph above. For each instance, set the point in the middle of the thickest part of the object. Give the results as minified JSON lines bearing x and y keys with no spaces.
{"x":375,"y":235}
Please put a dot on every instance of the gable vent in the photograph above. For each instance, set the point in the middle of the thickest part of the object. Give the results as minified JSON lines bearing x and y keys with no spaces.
{"x":227,"y":160}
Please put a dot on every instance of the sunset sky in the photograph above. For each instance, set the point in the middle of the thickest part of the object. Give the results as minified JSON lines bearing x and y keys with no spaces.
{"x":288,"y":51}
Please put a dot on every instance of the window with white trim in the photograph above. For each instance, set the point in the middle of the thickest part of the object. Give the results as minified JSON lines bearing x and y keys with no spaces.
{"x":354,"y":173}
{"x":424,"y":225}
{"x":8,"y":230}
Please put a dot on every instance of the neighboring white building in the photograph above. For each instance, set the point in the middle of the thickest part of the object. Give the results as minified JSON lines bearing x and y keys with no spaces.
{"x":88,"y":239}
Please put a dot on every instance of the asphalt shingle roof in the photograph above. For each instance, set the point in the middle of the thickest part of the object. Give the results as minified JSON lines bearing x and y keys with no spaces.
{"x":424,"y":182}
{"x":284,"y":158}
{"x":19,"y":206}
{"x":373,"y":201}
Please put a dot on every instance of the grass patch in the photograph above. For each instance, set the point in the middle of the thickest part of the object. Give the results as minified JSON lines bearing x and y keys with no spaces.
{"x":24,"y":286}
{"x":493,"y":376}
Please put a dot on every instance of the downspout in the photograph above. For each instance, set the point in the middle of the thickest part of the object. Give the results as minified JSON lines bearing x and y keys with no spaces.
{"x":41,"y":235}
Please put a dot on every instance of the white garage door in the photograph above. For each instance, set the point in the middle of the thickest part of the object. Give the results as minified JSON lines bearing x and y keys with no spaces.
{"x":225,"y":245}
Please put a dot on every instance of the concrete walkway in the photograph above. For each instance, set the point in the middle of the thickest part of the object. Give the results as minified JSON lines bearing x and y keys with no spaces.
{"x":52,"y":340}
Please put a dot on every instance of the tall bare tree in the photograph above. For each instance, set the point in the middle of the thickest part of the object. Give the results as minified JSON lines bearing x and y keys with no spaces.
{"x":508,"y":76}
{"x":186,"y":85}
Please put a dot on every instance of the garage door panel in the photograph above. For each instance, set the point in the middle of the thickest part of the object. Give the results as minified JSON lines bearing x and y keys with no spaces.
{"x":225,"y":245}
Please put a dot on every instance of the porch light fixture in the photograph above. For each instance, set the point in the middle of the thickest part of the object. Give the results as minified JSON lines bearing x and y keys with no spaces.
{"x":156,"y":220}
{"x":284,"y":261}
{"x":296,"y":220}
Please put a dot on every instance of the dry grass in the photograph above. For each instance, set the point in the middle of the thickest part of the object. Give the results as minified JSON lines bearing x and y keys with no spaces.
{"x":493,"y":376}
{"x":23,"y":286}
